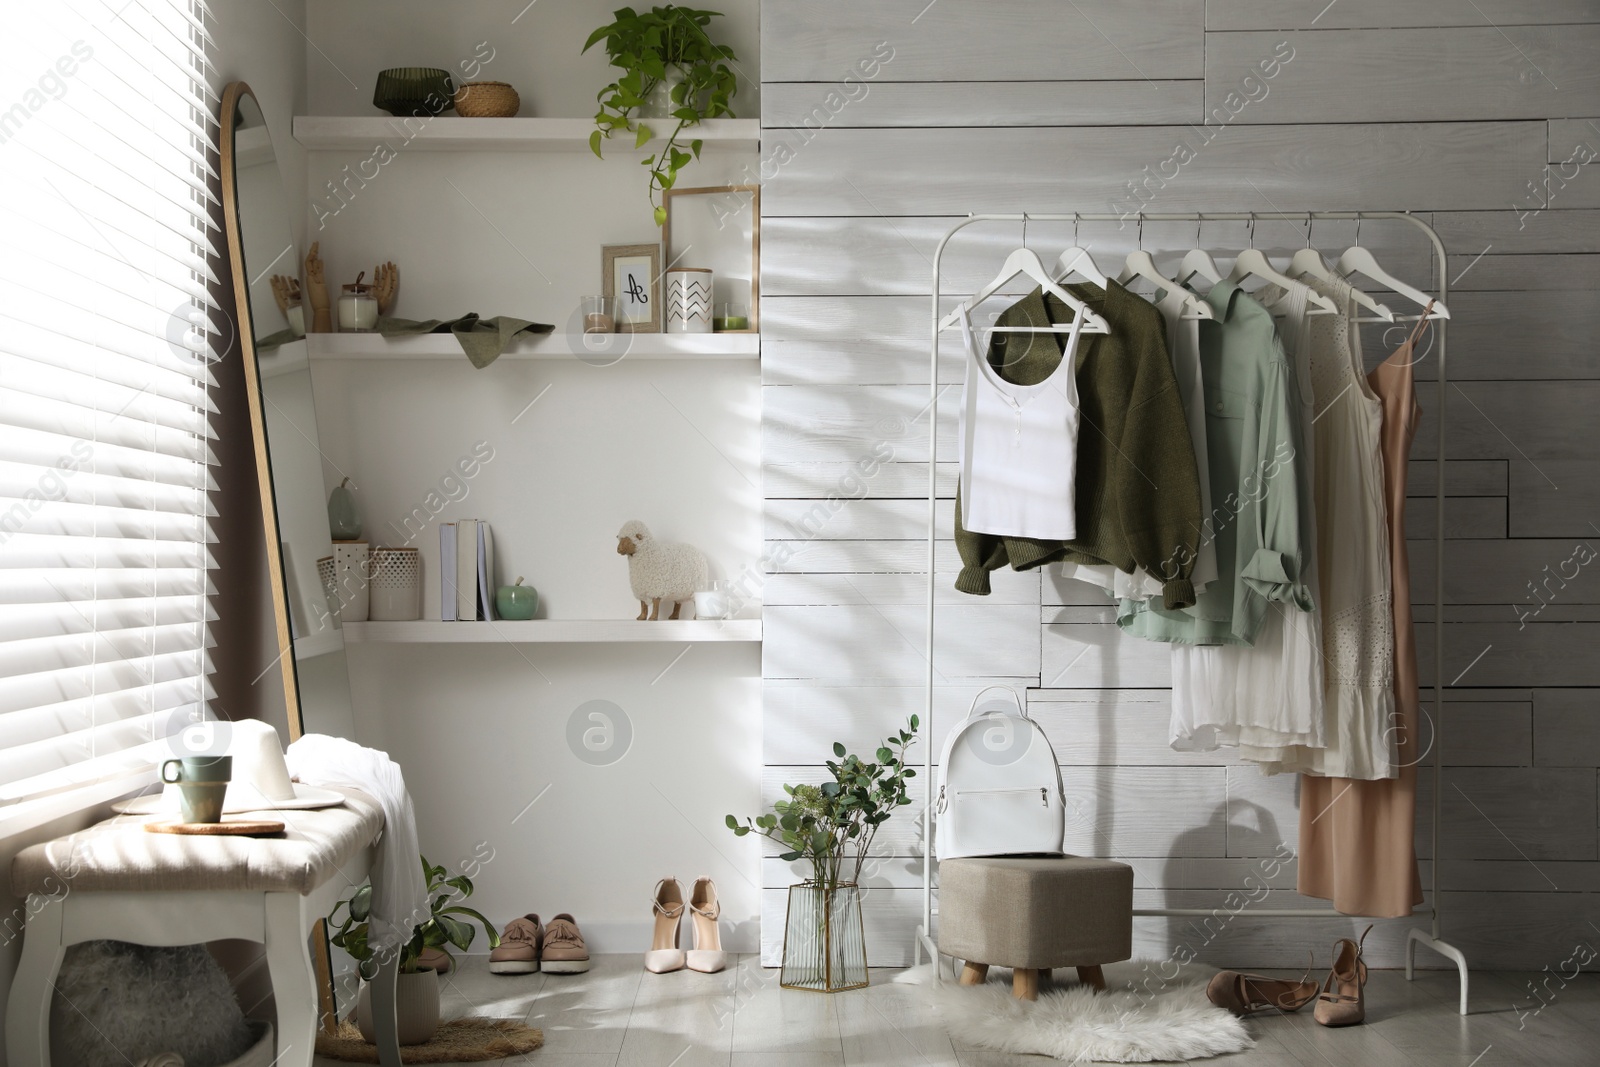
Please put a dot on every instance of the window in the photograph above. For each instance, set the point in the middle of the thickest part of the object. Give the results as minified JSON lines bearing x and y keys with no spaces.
{"x":105,"y":225}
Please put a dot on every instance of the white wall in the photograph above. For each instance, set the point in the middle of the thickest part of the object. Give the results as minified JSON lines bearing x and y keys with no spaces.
{"x":1009,"y":106}
{"x":481,"y":730}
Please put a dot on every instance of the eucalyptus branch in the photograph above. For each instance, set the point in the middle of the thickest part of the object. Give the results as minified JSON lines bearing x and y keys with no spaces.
{"x":832,"y":826}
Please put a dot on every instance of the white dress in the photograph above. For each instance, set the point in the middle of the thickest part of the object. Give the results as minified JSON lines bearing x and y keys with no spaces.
{"x":1019,"y":446}
{"x":1352,"y":557}
{"x":1184,"y":337}
{"x":1267,"y":696}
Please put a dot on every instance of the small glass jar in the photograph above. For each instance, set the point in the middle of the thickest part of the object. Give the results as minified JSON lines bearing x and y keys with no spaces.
{"x":358,"y":309}
{"x":731,"y":318}
{"x":599,"y":314}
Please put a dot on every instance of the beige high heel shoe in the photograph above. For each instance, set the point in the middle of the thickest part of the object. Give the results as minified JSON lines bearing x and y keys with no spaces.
{"x":664,"y":954}
{"x":1246,"y":994}
{"x":704,"y":908}
{"x":1346,"y":1004}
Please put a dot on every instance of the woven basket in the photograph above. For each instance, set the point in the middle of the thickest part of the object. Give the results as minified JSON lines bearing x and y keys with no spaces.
{"x":487,"y":100}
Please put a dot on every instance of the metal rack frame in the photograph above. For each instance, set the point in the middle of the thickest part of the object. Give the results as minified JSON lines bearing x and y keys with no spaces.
{"x":1432,"y":938}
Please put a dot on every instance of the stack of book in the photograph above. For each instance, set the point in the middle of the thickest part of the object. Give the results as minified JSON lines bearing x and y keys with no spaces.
{"x":466,"y":571}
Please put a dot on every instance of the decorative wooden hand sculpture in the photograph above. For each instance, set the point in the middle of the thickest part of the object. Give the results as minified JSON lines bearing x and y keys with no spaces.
{"x":317,"y":293}
{"x":385,"y":286}
{"x":286,"y":291}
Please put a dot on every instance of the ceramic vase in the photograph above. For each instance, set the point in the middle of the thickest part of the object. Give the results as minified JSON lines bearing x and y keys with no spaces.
{"x":688,"y":294}
{"x":352,"y":580}
{"x":396,"y":586}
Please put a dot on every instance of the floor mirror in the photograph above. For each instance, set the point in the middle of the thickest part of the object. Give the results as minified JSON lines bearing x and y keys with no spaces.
{"x":266,"y":268}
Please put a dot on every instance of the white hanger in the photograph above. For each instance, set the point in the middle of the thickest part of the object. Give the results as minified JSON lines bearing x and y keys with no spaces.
{"x":1139,"y":264}
{"x":1357,"y":260}
{"x":1251,"y":261}
{"x":1026,"y":261}
{"x":1077,"y":260}
{"x":1198,"y":262}
{"x":1309,"y":261}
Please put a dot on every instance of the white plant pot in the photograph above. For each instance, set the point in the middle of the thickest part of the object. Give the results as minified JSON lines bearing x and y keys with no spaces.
{"x":416,"y":1008}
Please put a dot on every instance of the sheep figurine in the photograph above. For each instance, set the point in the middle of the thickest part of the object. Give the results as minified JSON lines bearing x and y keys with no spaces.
{"x":660,"y":570}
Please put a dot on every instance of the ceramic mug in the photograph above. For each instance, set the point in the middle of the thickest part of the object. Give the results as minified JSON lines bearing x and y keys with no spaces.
{"x":202,"y":783}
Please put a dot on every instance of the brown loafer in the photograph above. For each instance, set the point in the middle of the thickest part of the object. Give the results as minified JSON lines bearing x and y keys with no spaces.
{"x":518,"y":952}
{"x":435,"y":959}
{"x":564,"y":951}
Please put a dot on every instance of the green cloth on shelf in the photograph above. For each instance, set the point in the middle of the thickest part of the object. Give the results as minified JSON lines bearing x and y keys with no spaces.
{"x":481,"y":339}
{"x":274,"y":340}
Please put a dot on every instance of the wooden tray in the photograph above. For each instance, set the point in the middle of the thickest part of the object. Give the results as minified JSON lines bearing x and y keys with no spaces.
{"x":225,"y":828}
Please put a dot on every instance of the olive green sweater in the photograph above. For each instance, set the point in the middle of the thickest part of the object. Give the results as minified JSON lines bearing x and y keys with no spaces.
{"x":1137,"y":486}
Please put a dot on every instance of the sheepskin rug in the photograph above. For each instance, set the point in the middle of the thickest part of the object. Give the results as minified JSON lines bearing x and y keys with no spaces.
{"x":1139,"y":1019}
{"x":118,"y":1003}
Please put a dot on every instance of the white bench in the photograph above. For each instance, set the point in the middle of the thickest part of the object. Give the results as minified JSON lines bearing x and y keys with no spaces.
{"x":116,"y":881}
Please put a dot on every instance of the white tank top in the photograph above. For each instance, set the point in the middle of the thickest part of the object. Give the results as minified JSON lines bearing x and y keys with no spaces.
{"x":1019,"y":447}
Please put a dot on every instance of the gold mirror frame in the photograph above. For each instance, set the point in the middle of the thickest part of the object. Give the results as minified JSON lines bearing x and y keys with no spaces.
{"x":231,"y":97}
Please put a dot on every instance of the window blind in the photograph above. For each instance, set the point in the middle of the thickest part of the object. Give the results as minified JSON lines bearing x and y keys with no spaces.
{"x":106,"y":138}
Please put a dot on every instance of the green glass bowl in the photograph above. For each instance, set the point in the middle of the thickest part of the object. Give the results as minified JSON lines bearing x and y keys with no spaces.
{"x":414,"y":91}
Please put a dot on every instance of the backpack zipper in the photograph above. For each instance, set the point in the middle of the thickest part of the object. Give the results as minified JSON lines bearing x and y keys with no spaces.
{"x":1044,"y":794}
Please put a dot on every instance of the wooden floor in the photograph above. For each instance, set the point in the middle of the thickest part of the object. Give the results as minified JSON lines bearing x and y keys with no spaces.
{"x":619,"y":1016}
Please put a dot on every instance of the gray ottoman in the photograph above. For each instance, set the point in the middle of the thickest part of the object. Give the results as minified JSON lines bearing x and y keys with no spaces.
{"x":1032,"y":914}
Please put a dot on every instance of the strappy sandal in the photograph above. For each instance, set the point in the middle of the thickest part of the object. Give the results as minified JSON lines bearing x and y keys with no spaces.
{"x":1343,"y":1001}
{"x":1246,"y":994}
{"x":707,"y":955}
{"x":664,"y":954}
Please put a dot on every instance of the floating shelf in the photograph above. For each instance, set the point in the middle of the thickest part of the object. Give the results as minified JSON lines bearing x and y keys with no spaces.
{"x":451,"y":133}
{"x":284,"y":359}
{"x":620,"y":347}
{"x":553,"y":631}
{"x":318,"y":644}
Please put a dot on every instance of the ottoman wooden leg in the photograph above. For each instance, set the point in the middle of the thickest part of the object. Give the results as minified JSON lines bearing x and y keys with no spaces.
{"x":1025,"y":983}
{"x":974,"y":973}
{"x":1093,"y":976}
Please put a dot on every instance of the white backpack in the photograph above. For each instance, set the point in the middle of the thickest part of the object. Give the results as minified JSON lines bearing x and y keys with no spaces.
{"x":999,"y":785}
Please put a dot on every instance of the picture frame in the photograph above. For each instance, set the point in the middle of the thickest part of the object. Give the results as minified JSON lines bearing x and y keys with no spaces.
{"x":631,"y":274}
{"x":705,"y":240}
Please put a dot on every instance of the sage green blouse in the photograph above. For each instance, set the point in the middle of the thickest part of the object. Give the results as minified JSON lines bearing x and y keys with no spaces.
{"x":1258,"y":480}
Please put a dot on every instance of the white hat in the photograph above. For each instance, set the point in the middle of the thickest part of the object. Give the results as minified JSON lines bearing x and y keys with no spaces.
{"x":260,"y":777}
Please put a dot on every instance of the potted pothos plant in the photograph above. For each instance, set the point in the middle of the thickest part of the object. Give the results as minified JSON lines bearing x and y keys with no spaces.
{"x":832,"y":826}
{"x":671,"y":71}
{"x":417,"y":991}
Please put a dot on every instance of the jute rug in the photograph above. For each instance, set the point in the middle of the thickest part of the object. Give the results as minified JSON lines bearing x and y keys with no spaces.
{"x":457,"y":1041}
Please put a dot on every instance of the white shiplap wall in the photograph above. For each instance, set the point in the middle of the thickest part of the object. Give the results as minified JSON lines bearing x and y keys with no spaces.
{"x":1461,"y":111}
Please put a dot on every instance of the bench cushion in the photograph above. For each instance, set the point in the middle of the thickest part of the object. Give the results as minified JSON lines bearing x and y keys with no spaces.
{"x":1058,"y":911}
{"x":119,"y":855}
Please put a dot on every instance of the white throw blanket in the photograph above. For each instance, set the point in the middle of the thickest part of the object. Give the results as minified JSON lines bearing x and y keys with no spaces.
{"x":399,"y":894}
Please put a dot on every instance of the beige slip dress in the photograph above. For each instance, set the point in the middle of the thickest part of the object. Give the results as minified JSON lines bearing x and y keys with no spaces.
{"x":1357,"y":838}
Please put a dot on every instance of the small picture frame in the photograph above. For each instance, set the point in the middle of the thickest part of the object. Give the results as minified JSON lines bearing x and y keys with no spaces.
{"x":718,"y":227}
{"x":631,"y":274}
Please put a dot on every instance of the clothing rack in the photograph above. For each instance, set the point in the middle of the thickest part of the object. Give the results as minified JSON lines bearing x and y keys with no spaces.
{"x":1432,"y":938}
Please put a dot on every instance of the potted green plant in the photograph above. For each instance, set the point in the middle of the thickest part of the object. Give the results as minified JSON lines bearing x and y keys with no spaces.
{"x":671,"y":70}
{"x":417,"y":991}
{"x":832,"y":826}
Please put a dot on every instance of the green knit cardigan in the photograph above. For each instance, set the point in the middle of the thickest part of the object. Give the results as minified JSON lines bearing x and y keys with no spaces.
{"x":1137,"y":485}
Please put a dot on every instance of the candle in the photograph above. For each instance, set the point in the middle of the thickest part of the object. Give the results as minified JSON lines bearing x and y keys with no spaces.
{"x":358,"y":308}
{"x":730,"y":316}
